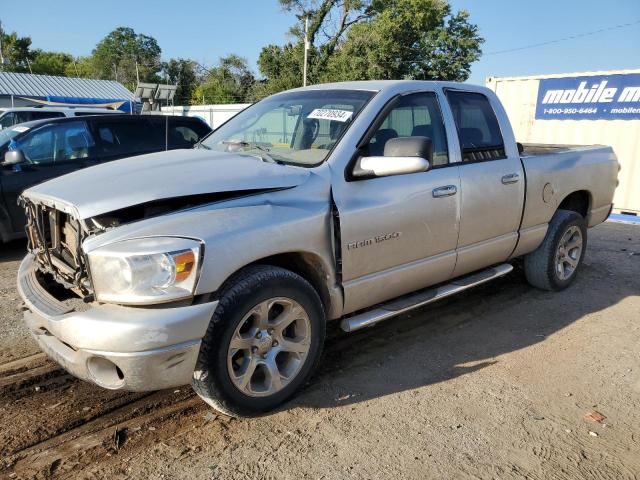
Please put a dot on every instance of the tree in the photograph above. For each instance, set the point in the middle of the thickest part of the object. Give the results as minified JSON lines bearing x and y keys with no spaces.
{"x":282,"y":67}
{"x":230,"y":81}
{"x":16,"y":52}
{"x":122,"y":51}
{"x":412,"y":39}
{"x":372,"y":39}
{"x":181,"y":72}
{"x":51,"y":63}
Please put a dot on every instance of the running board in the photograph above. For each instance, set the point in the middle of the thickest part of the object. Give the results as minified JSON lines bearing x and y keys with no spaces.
{"x":423,"y":297}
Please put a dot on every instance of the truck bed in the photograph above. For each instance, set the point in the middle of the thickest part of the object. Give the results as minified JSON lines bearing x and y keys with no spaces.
{"x":535,"y":149}
{"x":555,"y":171}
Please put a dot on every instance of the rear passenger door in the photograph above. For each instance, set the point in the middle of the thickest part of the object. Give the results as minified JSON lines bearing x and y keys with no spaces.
{"x":126,"y":136}
{"x":491,"y":181}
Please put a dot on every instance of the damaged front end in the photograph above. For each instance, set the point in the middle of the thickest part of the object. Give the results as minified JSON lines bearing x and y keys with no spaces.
{"x":55,"y":240}
{"x":56,"y":235}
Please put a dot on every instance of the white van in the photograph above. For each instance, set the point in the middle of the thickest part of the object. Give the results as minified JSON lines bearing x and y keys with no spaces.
{"x":13,"y":116}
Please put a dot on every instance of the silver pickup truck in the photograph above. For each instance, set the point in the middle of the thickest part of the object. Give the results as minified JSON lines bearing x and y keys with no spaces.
{"x":220,"y":266}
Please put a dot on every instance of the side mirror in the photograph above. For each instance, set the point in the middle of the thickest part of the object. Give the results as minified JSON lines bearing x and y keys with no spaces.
{"x":13,"y":157}
{"x":401,"y":156}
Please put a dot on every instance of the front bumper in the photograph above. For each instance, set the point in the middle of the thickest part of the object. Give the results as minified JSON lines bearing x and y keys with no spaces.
{"x":116,"y":347}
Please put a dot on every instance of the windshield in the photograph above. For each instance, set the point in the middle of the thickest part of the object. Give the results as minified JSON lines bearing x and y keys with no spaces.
{"x":297,"y":127}
{"x":9,"y":133}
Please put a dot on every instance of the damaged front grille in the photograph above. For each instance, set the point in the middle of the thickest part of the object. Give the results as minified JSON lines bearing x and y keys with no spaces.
{"x":55,"y":238}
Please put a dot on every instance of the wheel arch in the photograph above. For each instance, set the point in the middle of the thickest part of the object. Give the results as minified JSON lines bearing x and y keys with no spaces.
{"x":306,"y":264}
{"x":579,"y":201}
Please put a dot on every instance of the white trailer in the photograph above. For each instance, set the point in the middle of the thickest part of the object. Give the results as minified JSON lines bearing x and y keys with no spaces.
{"x":581,"y":109}
{"x":213,"y":115}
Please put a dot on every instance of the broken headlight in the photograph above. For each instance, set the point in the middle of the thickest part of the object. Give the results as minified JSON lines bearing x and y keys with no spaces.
{"x":145,"y":270}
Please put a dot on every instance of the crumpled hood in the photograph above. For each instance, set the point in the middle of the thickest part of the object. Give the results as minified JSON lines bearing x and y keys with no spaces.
{"x":146,"y":178}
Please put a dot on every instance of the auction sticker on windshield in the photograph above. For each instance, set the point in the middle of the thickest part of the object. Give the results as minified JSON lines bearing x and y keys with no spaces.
{"x":330,"y":114}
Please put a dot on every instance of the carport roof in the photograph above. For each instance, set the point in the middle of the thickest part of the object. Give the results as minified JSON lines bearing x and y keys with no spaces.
{"x":30,"y":85}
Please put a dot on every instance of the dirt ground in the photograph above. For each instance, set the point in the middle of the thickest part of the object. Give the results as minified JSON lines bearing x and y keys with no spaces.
{"x":494,"y":383}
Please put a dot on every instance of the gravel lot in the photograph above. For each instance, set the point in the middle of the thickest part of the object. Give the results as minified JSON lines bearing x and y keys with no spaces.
{"x":494,"y":383}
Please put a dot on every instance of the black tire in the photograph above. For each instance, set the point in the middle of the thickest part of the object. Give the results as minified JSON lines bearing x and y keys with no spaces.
{"x":211,"y":379}
{"x":540,"y":265}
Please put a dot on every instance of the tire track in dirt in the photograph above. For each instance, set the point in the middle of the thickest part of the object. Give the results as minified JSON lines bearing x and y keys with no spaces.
{"x":103,"y":435}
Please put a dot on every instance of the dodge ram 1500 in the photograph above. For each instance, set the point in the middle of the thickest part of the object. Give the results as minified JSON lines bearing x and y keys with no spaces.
{"x":357,"y":201}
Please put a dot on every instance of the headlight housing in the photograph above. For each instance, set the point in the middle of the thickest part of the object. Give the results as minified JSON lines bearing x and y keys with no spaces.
{"x":145,"y":270}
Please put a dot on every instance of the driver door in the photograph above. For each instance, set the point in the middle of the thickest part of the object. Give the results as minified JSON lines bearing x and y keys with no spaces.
{"x":399,"y":233}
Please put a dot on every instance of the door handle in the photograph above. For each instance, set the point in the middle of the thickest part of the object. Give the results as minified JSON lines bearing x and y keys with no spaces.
{"x":510,"y":178}
{"x":445,"y":191}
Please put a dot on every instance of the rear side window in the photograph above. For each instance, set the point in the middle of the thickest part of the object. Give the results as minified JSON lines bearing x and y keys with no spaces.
{"x":129,"y":136}
{"x":41,"y":115}
{"x":478,"y":128}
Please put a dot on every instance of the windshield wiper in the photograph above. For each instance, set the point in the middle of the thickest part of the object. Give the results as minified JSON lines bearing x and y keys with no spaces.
{"x":250,"y":145}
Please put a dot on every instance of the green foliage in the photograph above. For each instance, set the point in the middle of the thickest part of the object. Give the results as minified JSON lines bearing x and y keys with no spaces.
{"x":80,"y":67}
{"x":51,"y":63}
{"x":16,"y":52}
{"x":181,"y":72}
{"x":228,"y":82}
{"x":118,"y":54}
{"x":373,"y":39}
{"x":282,"y":66}
{"x":408,"y":39}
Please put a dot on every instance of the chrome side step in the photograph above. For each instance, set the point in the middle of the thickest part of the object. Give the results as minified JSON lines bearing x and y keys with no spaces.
{"x":423,"y":297}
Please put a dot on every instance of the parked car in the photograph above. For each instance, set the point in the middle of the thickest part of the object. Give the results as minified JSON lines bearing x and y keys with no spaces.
{"x":14,"y":116}
{"x":40,"y":150}
{"x":357,"y":201}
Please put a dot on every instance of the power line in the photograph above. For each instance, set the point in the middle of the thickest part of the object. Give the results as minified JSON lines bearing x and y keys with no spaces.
{"x":564,"y":39}
{"x":524,"y":47}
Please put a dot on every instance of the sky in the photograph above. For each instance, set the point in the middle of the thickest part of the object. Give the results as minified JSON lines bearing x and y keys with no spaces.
{"x":205,"y":30}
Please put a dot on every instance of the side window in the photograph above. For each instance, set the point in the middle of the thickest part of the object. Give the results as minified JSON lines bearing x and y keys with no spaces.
{"x":58,"y":143}
{"x":22,"y":117}
{"x":41,"y":115}
{"x":128,"y":137}
{"x":415,"y":115}
{"x":478,"y":129}
{"x":184,"y":133}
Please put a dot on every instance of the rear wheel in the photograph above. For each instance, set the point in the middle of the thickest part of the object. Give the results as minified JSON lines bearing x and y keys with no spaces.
{"x":554,"y":264}
{"x":263,"y":342}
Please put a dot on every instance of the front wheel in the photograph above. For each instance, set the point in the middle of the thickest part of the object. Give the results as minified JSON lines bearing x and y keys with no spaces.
{"x":263,"y":343}
{"x":554,"y":264}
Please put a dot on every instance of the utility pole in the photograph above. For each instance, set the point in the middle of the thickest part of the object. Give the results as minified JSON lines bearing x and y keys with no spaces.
{"x":137,"y":73}
{"x":1,"y":56}
{"x":306,"y":50}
